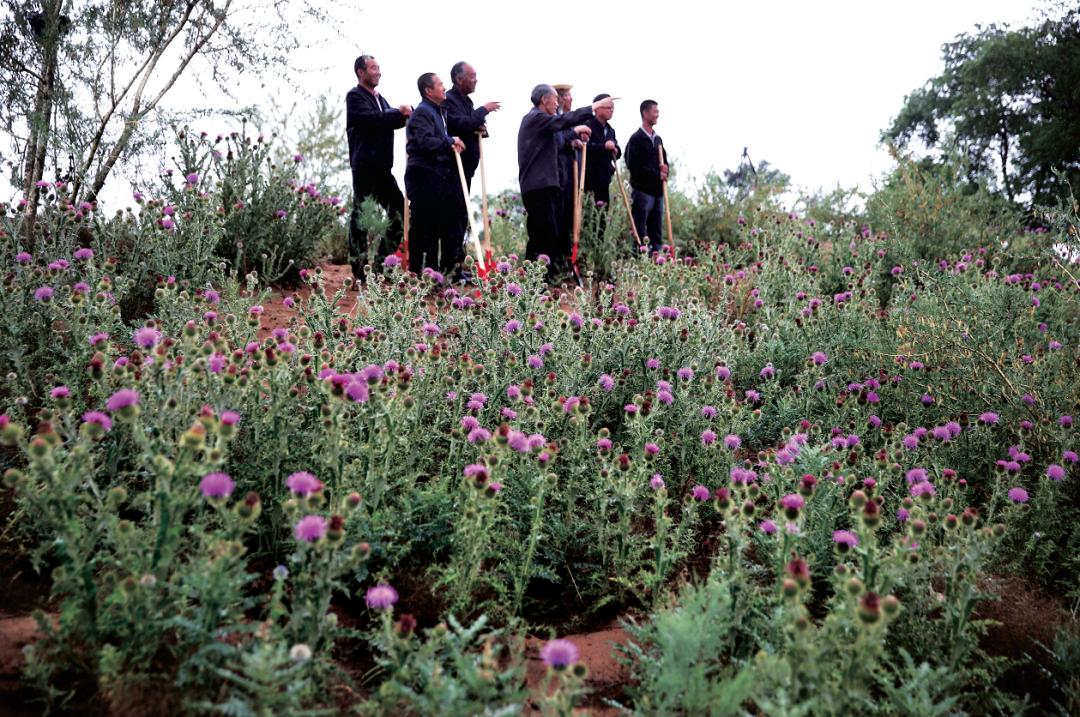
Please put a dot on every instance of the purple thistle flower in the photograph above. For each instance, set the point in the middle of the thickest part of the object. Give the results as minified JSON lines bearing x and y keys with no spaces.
{"x":767,"y":526}
{"x":147,"y":337}
{"x":98,"y":418}
{"x":631,"y":408}
{"x":988,"y":418}
{"x":917,"y":475}
{"x":723,"y":373}
{"x":381,"y":597}
{"x":474,"y":470}
{"x":700,"y":493}
{"x":303,"y":484}
{"x":792,"y":502}
{"x":1018,"y":495}
{"x":60,"y":392}
{"x":708,"y":437}
{"x":310,"y":528}
{"x":910,"y":441}
{"x":607,"y":382}
{"x":216,"y":485}
{"x":819,"y":358}
{"x":753,"y":396}
{"x":512,"y":326}
{"x":1065,"y":421}
{"x":652,"y":363}
{"x":767,"y":372}
{"x":708,"y":412}
{"x":1055,"y":472}
{"x":43,"y":293}
{"x":732,"y":442}
{"x":124,"y":398}
{"x":559,"y":654}
{"x":192,"y":178}
{"x":656,"y":482}
{"x":230,"y":418}
{"x":923,"y":489}
{"x":902,"y":515}
{"x":927,"y":399}
{"x":23,"y":258}
{"x":665,"y":397}
{"x":685,"y":373}
{"x":845,"y":538}
{"x":535,"y":362}
{"x":1068,"y":456}
{"x":83,"y":253}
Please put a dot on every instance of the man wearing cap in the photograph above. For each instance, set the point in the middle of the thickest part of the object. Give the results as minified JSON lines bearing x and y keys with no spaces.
{"x":647,"y":176}
{"x":370,"y":122}
{"x":431,"y":181}
{"x":603,"y":151}
{"x":538,"y":171}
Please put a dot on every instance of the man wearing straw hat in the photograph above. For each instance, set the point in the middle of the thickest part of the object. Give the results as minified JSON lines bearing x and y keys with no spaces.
{"x":370,"y":122}
{"x":429,"y":180}
{"x":538,"y":171}
{"x":647,"y":176}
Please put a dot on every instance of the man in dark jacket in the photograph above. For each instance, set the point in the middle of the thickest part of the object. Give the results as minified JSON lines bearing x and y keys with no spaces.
{"x":431,"y":179}
{"x":370,"y":122}
{"x":465,"y":121}
{"x":569,"y":144}
{"x":647,"y":176}
{"x":603,"y":151}
{"x":538,"y":171}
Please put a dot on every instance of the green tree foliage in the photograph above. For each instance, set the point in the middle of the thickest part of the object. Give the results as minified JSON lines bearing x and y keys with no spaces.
{"x":1010,"y":99}
{"x":83,"y":80}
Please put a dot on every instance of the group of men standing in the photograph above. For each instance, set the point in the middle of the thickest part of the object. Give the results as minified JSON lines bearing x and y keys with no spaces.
{"x":552,"y":138}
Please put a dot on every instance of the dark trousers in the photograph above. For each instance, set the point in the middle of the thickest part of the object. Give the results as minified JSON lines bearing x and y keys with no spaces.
{"x":542,"y":222}
{"x":648,"y":211}
{"x":381,"y":186}
{"x":435,"y":227}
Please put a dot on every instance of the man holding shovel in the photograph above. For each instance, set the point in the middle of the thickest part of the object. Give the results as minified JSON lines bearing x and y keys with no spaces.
{"x":603,"y":151}
{"x":648,"y":173}
{"x":538,"y":172}
{"x":429,"y":180}
{"x":467,"y":122}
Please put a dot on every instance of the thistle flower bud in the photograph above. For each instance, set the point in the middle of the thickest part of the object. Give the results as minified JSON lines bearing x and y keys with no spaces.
{"x":857,"y":500}
{"x":352,"y":501}
{"x":14,"y":479}
{"x":869,"y":608}
{"x":335,"y":532}
{"x":890,"y":605}
{"x":250,"y":508}
{"x":361,"y":552}
{"x":790,"y":588}
{"x":854,"y":586}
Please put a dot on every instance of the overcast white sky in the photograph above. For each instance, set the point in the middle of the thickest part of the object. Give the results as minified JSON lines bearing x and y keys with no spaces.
{"x":806,"y":85}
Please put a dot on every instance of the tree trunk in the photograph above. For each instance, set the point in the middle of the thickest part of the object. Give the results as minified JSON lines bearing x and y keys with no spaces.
{"x":41,"y":119}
